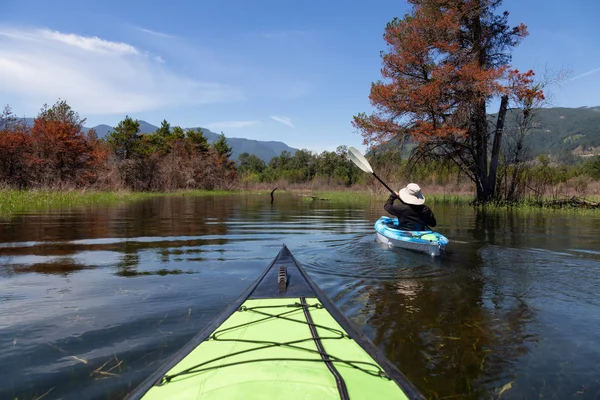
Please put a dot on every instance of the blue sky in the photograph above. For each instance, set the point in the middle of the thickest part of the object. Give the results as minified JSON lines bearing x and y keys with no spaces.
{"x":292,"y":71}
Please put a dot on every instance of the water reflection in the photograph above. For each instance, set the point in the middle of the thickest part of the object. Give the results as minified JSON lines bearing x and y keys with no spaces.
{"x":94,"y":299}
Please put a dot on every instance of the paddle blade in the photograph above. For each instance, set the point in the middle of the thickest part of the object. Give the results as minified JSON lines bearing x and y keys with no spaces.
{"x":359,"y":160}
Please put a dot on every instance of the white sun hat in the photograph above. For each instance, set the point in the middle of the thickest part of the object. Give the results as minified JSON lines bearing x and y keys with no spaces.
{"x":411,"y":194}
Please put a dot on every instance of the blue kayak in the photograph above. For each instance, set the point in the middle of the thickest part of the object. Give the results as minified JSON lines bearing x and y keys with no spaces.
{"x":429,"y":242}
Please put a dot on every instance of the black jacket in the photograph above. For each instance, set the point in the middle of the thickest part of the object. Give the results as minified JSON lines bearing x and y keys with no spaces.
{"x":410,"y":217}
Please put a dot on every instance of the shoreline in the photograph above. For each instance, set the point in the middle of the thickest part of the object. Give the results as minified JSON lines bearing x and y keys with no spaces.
{"x":23,"y":201}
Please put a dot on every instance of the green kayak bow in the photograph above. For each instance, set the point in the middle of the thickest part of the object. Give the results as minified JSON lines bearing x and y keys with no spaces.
{"x":282,"y":339}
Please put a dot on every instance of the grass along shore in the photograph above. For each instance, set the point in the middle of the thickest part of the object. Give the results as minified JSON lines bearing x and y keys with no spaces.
{"x":20,"y":201}
{"x":366,"y":197}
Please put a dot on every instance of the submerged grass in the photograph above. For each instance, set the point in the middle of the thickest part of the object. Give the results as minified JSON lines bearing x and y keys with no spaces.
{"x":17,"y":201}
{"x":545,"y":204}
{"x":204,"y":192}
{"x":342,"y":196}
{"x":454,"y":199}
{"x":365,"y":197}
{"x":20,"y":201}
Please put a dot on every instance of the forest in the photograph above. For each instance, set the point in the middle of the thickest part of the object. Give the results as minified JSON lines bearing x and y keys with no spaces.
{"x":56,"y":154}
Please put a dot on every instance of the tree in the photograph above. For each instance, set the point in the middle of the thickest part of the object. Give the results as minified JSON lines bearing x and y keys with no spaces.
{"x":223,"y":149}
{"x":251,"y":164}
{"x":164,"y":130}
{"x":346,"y":168}
{"x":593,"y":167}
{"x":282,"y":161}
{"x":14,"y":146}
{"x":302,"y":166}
{"x":326,"y":163}
{"x":528,"y":99}
{"x":61,"y":151}
{"x":224,"y":167}
{"x":126,"y":143}
{"x":124,"y":138}
{"x":197,"y":140}
{"x":446,"y":61}
{"x":178,"y":133}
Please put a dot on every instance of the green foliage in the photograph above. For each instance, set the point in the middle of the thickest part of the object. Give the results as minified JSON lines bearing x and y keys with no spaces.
{"x":125,"y":139}
{"x":281,"y":162}
{"x":304,"y":166}
{"x":592,"y":168}
{"x":270,"y":174}
{"x":197,"y":140}
{"x":251,"y":164}
{"x":221,"y":146}
{"x":154,"y":143}
{"x":177,"y":133}
{"x":164,"y":130}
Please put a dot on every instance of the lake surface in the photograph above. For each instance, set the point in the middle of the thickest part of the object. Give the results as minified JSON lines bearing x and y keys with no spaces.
{"x":92,"y":300}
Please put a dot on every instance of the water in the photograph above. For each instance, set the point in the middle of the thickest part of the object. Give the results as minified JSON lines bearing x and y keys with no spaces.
{"x":92,"y":300}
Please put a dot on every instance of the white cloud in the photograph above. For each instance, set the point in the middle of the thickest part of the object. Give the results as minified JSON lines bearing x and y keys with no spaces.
{"x":231,"y":124}
{"x":155,"y":33}
{"x":283,"y":120}
{"x":93,"y":44}
{"x":590,"y":72}
{"x":95,"y":76}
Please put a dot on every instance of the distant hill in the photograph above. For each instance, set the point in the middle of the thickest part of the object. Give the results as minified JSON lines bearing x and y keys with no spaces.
{"x":563,"y":133}
{"x":102,"y":130}
{"x":265,"y":150}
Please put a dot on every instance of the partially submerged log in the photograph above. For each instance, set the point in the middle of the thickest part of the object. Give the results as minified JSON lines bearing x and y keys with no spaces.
{"x":314,"y":197}
{"x":273,"y":198}
{"x":574,"y":202}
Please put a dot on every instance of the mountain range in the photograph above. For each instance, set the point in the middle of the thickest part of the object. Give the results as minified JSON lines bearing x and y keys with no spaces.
{"x":566,"y":134}
{"x":265,"y":150}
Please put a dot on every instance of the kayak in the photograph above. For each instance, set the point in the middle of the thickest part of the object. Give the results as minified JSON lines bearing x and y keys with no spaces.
{"x":281,"y":339}
{"x":428,"y":241}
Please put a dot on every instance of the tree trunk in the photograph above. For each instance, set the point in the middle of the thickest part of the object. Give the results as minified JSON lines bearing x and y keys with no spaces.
{"x":481,"y":152}
{"x":480,"y":116}
{"x":496,"y":147}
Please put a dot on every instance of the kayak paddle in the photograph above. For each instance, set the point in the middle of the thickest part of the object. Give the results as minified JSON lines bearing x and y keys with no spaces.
{"x":361,"y":162}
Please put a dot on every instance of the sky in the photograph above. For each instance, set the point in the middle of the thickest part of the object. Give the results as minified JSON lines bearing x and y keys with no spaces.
{"x":283,"y":70}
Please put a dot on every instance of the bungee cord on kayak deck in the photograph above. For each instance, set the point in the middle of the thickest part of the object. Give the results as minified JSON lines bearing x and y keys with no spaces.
{"x":297,"y":307}
{"x":282,"y":338}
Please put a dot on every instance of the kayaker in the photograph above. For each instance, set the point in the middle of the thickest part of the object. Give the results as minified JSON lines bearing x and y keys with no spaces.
{"x":412,"y":213}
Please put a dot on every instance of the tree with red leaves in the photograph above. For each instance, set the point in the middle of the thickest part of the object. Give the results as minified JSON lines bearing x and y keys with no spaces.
{"x":446,"y":61}
{"x":14,"y":145}
{"x":62,"y":154}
